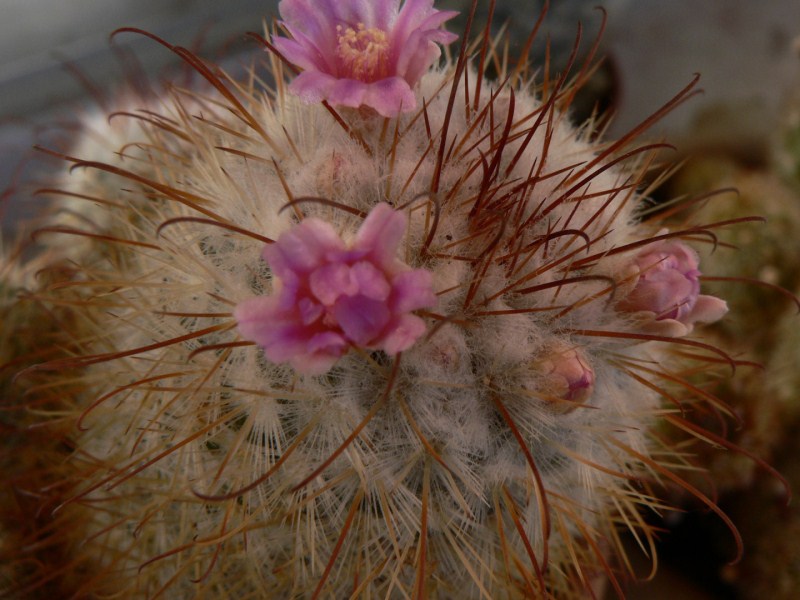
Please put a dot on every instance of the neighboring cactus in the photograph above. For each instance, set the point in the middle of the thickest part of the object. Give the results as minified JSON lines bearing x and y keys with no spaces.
{"x":756,"y":263}
{"x":487,"y":446}
{"x":767,"y":399}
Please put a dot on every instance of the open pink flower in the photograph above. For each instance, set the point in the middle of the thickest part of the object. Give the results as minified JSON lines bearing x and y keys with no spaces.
{"x":361,"y":52}
{"x":327,"y":296}
{"x":667,"y":288}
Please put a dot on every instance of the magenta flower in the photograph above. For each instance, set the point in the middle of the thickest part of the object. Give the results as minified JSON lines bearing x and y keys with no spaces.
{"x":667,"y":288}
{"x":328,"y":297}
{"x":361,"y":52}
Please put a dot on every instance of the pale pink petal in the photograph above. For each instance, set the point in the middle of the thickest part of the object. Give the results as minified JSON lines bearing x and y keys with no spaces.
{"x":413,"y":290}
{"x":327,"y":342}
{"x":384,"y":12}
{"x":302,"y":248}
{"x":354,"y":12}
{"x":310,"y":311}
{"x":666,"y":293}
{"x":390,"y":97}
{"x":283,"y":340}
{"x":302,"y":52}
{"x":313,"y":17}
{"x":567,"y":377}
{"x":435,"y":20}
{"x":381,"y":233}
{"x":361,"y":318}
{"x":314,"y":364}
{"x":331,"y":281}
{"x":411,"y":15}
{"x":347,"y":92}
{"x":402,"y":335}
{"x":414,"y":54}
{"x":253,"y":315}
{"x":285,"y":292}
{"x":312,"y":86}
{"x":418,"y":15}
{"x":414,"y":59}
{"x":370,"y":281}
{"x":668,"y":328}
{"x":709,"y":309}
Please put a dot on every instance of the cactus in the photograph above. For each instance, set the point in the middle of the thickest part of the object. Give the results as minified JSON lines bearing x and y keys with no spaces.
{"x":247,"y":422}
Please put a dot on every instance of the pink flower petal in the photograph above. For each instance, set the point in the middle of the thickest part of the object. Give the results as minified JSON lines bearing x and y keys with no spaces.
{"x":416,"y":51}
{"x":312,"y":86}
{"x":283,"y":341}
{"x":362,"y":319}
{"x":372,"y":13}
{"x":413,"y":290}
{"x":313,"y":17}
{"x":310,"y":311}
{"x":347,"y":92}
{"x":302,"y":248}
{"x":402,"y":335}
{"x":305,"y":56}
{"x":413,"y":55}
{"x":252,"y":315}
{"x":314,"y":364}
{"x":381,"y":233}
{"x":371,"y":282}
{"x":331,"y":281}
{"x":390,"y":97}
{"x":436,"y":19}
{"x":709,"y":309}
{"x":383,"y":13}
{"x":327,"y":342}
{"x":411,"y":16}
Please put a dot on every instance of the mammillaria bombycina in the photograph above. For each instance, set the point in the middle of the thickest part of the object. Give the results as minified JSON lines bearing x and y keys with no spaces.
{"x":396,"y":344}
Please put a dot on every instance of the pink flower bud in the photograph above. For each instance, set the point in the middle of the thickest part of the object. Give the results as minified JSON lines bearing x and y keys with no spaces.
{"x":355,"y":53}
{"x":568,"y":377}
{"x":667,"y":288}
{"x":328,"y":297}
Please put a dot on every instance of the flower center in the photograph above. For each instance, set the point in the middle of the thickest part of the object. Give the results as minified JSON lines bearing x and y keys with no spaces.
{"x":363,"y":53}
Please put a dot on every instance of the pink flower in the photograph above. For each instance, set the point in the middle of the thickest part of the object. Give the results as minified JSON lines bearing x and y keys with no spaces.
{"x":361,"y":52}
{"x":667,"y":288}
{"x":328,"y":297}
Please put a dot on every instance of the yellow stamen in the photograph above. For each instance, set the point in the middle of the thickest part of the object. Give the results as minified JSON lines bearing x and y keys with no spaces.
{"x":363,"y":53}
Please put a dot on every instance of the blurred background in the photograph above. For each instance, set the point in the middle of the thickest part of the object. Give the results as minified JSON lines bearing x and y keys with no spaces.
{"x":55,"y":56}
{"x":746,"y":52}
